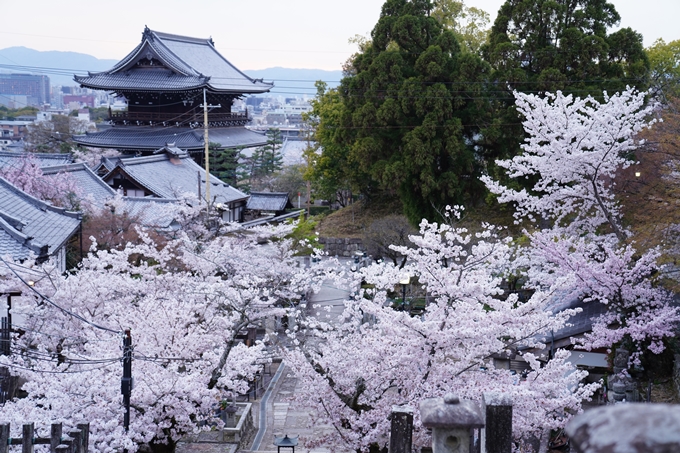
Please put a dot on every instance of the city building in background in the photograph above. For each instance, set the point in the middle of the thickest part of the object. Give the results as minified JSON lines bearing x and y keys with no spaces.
{"x":24,"y":90}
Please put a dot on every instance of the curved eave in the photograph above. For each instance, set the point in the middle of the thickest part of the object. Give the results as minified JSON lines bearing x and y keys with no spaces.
{"x":83,"y":82}
{"x":82,"y":140}
{"x":137,"y":84}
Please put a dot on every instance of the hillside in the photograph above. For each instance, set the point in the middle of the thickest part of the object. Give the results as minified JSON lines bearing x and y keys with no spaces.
{"x":351,"y":221}
{"x":59,"y":66}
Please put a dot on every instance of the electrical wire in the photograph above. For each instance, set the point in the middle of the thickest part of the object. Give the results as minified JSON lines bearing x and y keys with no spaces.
{"x":10,"y":365}
{"x":67,"y":71}
{"x":47,"y":299}
{"x":53,"y":357}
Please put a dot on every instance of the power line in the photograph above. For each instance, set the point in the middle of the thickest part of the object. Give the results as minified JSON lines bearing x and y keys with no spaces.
{"x":47,"y":299}
{"x":11,"y":365}
{"x":70,"y":71}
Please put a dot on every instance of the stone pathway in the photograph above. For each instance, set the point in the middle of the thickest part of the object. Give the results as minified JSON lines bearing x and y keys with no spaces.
{"x":285,"y":417}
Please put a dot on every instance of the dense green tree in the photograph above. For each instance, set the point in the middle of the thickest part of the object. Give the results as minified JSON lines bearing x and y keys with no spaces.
{"x":224,"y":163}
{"x":267,"y":159}
{"x":404,"y":118}
{"x":548,"y":45}
{"x":255,"y":172}
{"x":469,"y":24}
{"x":664,"y":73}
{"x":330,"y":171}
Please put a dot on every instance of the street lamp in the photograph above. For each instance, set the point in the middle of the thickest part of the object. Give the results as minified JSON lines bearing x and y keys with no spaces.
{"x":404,"y":280}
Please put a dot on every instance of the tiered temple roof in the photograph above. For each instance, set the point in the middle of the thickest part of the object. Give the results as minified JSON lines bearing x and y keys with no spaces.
{"x":166,"y":62}
{"x":164,"y":80}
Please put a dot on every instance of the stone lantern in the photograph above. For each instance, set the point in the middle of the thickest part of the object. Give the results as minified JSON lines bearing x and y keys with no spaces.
{"x":451,"y":421}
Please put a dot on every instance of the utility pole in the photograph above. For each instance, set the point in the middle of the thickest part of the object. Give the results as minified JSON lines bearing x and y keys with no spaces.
{"x":207,"y":145}
{"x":126,"y":382}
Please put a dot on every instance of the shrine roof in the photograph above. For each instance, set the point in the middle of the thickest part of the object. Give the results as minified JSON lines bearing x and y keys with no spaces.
{"x":9,"y":159}
{"x":168,"y":175}
{"x":152,"y":138}
{"x":268,"y":201}
{"x":167,"y":62}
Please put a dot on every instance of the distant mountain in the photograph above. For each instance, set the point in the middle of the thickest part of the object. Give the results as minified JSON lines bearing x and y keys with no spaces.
{"x":60,"y":67}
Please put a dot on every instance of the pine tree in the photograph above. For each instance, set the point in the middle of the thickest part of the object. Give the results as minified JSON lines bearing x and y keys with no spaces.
{"x":224,"y":163}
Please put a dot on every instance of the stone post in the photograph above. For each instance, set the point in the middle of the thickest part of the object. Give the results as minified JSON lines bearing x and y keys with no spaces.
{"x":497,"y":410}
{"x":630,"y":428}
{"x":401,"y":429}
{"x":451,"y":421}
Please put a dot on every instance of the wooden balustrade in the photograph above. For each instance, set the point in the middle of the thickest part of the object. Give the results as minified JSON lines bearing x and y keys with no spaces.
{"x":193,"y":119}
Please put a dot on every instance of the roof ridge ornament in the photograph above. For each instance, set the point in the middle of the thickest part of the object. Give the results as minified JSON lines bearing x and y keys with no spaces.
{"x":147,"y":34}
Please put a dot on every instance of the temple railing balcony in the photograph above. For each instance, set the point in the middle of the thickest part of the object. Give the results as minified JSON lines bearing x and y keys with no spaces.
{"x":178,"y":119}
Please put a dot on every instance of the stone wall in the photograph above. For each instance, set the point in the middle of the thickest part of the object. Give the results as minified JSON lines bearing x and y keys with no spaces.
{"x":341,"y":246}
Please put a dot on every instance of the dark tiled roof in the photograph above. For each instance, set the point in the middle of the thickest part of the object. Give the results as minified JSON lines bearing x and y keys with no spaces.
{"x":580,"y":322}
{"x":152,"y":138}
{"x":170,"y":176}
{"x":45,"y":224}
{"x":188,"y":63}
{"x":152,"y":212}
{"x":156,"y":80}
{"x":14,"y":243}
{"x":44,"y":159}
{"x":90,"y":184}
{"x":268,"y":201}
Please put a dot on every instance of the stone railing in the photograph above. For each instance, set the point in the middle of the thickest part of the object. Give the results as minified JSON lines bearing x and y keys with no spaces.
{"x":244,"y":430}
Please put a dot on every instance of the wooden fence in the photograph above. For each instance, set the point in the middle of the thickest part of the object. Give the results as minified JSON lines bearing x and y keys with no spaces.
{"x":75,"y":441}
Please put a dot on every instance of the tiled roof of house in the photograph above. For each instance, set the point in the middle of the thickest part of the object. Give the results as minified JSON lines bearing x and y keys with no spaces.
{"x":44,"y":224}
{"x":168,"y":175}
{"x":16,"y":244}
{"x":152,"y":212}
{"x":89,"y":184}
{"x":152,"y":138}
{"x":44,"y":159}
{"x":268,"y":201}
{"x":578,"y":323}
{"x":167,"y":62}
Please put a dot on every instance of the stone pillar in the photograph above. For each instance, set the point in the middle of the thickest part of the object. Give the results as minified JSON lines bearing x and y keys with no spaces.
{"x":451,"y":421}
{"x":401,"y":429}
{"x":630,"y":428}
{"x":497,"y":410}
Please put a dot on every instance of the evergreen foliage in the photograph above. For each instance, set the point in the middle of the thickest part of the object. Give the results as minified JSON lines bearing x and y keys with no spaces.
{"x":538,"y":46}
{"x":255,"y":172}
{"x":404,"y":119}
{"x":224,"y":163}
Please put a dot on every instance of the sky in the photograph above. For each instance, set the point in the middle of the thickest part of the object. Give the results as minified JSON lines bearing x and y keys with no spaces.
{"x":252,"y":34}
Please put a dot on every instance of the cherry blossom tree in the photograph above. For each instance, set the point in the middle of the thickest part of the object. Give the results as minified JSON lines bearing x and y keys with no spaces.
{"x":184,"y":303}
{"x":574,"y":150}
{"x":374,"y":356}
{"x":60,"y":189}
